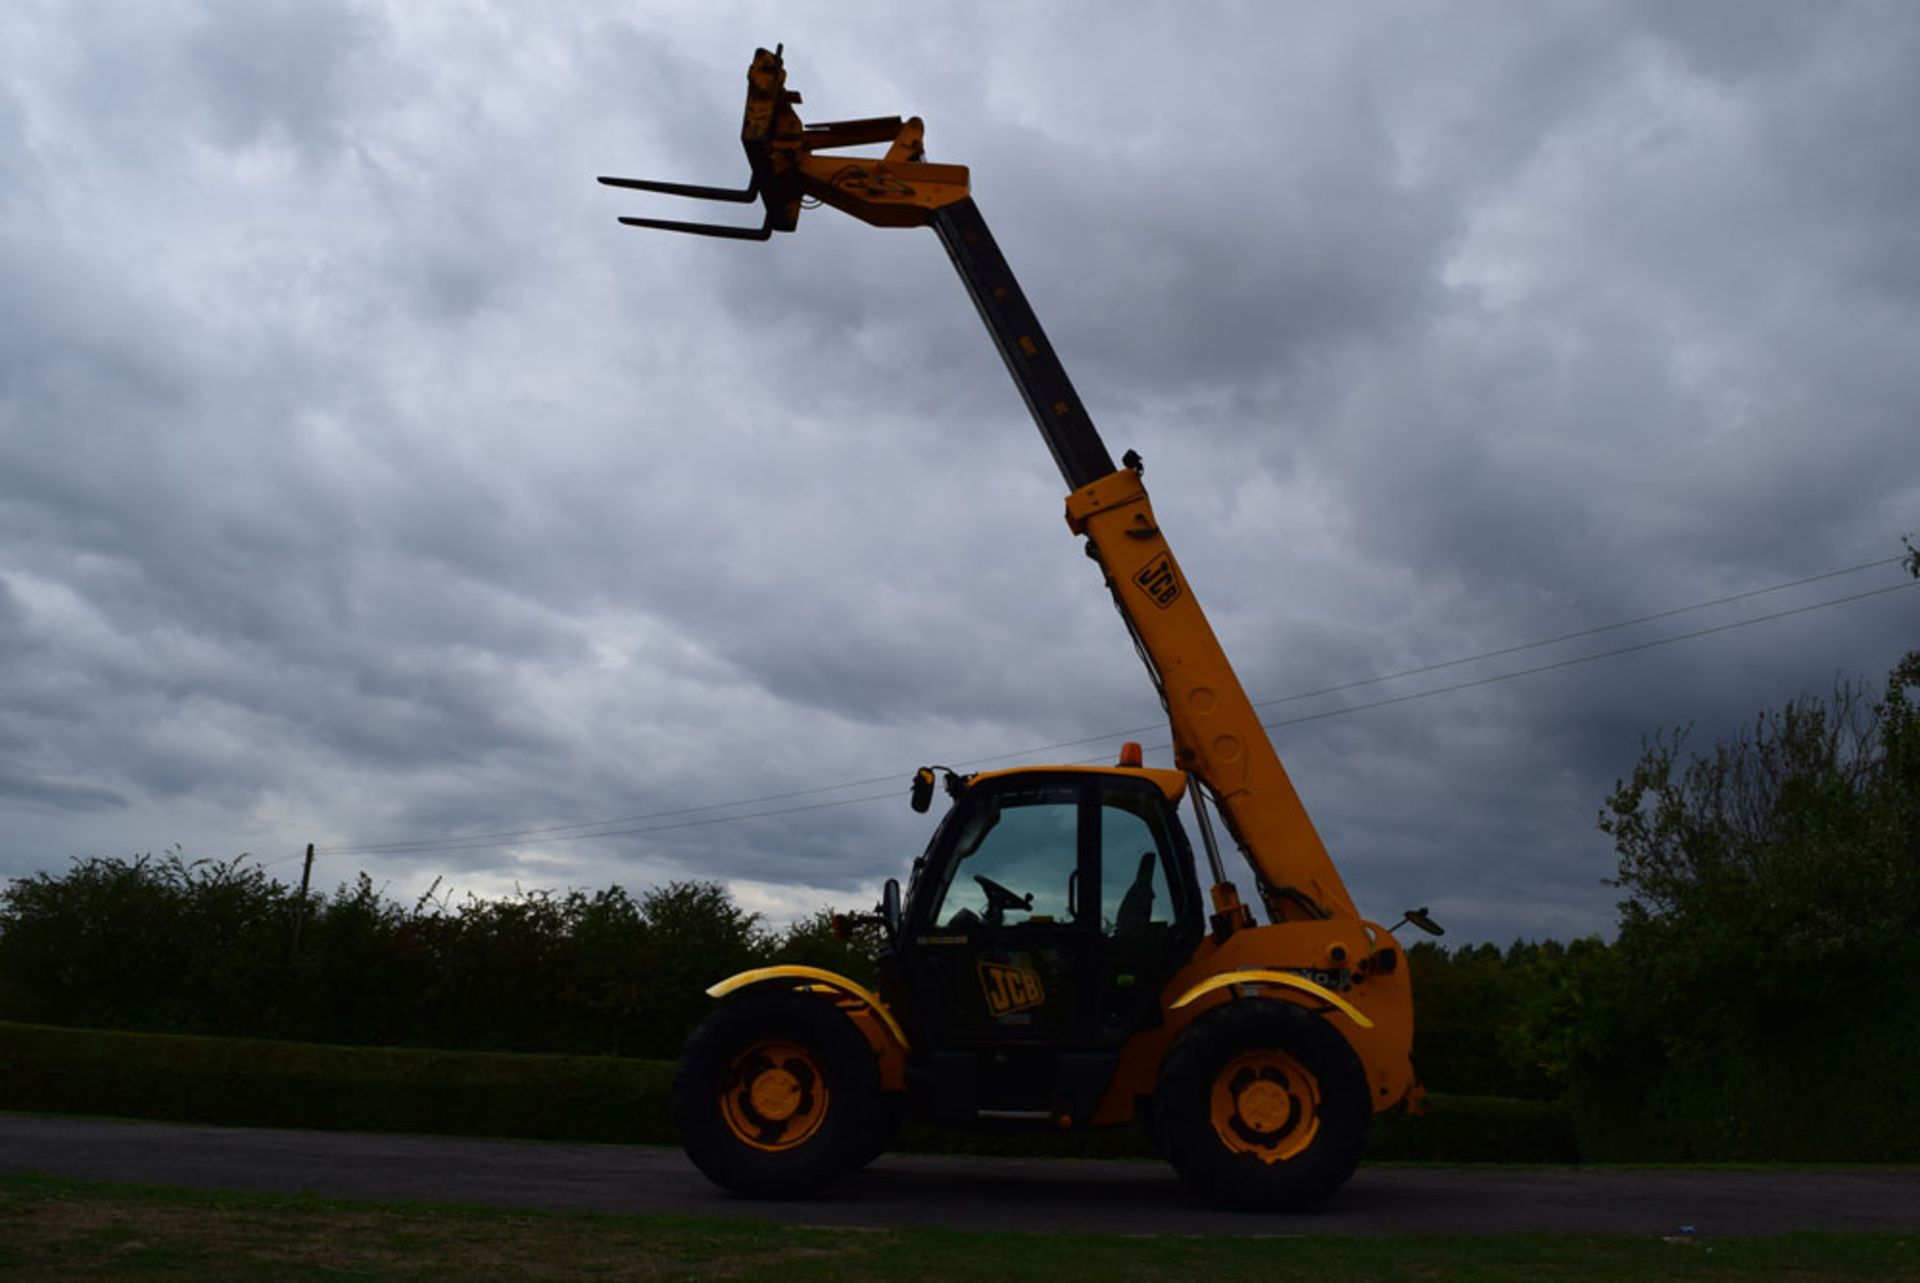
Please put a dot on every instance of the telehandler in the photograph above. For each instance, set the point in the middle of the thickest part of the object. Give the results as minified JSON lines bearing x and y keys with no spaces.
{"x":1054,"y":961}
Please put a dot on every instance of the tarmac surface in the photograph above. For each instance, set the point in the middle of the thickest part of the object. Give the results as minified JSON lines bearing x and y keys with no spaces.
{"x":964,"y":1193}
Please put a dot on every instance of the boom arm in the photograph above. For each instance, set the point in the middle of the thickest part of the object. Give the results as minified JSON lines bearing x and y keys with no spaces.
{"x":1217,"y":736}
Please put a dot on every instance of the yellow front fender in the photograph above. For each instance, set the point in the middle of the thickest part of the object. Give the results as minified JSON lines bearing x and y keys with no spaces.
{"x":1285,"y":979}
{"x":815,"y":978}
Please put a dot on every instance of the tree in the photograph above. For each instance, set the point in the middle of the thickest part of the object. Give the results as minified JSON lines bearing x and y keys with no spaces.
{"x":696,"y":936}
{"x":850,"y":946}
{"x":1504,"y":1024}
{"x":169,"y":943}
{"x":200,"y":946}
{"x":1772,"y":888}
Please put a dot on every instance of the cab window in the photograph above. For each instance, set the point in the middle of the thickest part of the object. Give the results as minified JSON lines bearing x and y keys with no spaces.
{"x":1134,"y":844}
{"x":1014,"y":860}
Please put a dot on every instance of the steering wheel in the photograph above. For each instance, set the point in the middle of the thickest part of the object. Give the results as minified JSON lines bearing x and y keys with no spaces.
{"x":999,"y":900}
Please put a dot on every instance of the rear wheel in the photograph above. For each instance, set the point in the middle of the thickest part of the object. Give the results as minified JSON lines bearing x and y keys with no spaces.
{"x":775,"y":1095}
{"x":1262,"y":1105}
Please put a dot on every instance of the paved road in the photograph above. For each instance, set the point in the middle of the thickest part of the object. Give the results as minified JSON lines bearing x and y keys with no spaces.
{"x":967,"y":1193}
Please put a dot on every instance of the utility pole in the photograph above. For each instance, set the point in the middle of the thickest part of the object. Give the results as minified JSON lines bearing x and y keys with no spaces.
{"x":300,"y":910}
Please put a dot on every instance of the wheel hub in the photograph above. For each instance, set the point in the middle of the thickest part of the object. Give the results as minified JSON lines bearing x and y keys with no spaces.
{"x":775,"y":1098}
{"x":1266,"y":1104}
{"x":776,"y":1095}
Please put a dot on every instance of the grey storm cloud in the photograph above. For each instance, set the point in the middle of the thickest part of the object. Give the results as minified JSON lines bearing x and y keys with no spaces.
{"x":361,"y":482}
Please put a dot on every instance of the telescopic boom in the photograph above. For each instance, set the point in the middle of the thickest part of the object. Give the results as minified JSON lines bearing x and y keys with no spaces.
{"x":1217,"y":735}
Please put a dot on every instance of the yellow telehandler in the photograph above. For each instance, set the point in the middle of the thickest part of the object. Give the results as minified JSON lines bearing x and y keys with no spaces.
{"x":1054,"y":961}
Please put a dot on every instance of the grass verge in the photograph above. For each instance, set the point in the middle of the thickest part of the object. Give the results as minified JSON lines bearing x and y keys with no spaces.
{"x":72,"y":1230}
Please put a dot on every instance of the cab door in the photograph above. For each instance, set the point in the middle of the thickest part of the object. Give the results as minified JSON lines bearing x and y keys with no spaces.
{"x":1003,"y":942}
{"x":1150,"y":919}
{"x":1050,"y":912}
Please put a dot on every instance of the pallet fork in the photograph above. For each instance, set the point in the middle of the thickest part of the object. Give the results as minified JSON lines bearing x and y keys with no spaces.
{"x":899,"y":189}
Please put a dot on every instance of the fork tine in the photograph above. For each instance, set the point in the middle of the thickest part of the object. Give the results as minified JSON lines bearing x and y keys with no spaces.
{"x":738,"y":195}
{"x":764,"y":232}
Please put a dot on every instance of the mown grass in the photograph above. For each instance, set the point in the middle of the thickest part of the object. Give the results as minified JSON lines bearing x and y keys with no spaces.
{"x":71,"y":1230}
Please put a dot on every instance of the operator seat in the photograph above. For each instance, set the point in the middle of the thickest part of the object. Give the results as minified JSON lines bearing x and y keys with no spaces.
{"x":1136,"y":907}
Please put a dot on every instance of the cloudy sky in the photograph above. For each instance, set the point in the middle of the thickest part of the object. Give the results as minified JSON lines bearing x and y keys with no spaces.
{"x":363,"y":483}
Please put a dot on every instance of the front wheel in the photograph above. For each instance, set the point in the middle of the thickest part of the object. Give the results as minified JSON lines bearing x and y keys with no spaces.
{"x":1262,"y":1105}
{"x":775,"y":1094}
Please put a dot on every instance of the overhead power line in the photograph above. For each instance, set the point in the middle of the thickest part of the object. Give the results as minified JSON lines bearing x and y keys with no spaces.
{"x":558,"y":830}
{"x":477,"y":843}
{"x":618,"y":827}
{"x":1488,"y":654}
{"x":1588,"y":659}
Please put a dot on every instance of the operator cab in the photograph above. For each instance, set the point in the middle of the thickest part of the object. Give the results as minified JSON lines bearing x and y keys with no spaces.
{"x":1051,"y":907}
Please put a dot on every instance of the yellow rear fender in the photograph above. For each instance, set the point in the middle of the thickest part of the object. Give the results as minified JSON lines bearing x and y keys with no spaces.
{"x":1273,"y":979}
{"x":818,"y":980}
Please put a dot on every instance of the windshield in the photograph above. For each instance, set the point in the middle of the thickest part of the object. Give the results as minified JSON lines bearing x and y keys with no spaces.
{"x":1014,"y":859}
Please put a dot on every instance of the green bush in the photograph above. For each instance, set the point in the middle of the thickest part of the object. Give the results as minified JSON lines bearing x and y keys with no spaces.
{"x":1760,"y":1002}
{"x":174,"y":945}
{"x":253,"y":1082}
{"x":1477,"y":1129}
{"x":1489,"y":1022}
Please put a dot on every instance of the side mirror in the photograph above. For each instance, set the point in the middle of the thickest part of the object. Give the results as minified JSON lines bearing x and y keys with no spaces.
{"x":923,"y":789}
{"x":890,"y":910}
{"x":1418,"y":917}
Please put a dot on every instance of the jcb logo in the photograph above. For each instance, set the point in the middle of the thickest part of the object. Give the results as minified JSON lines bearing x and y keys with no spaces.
{"x":1157,"y":579}
{"x":1010,"y":989}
